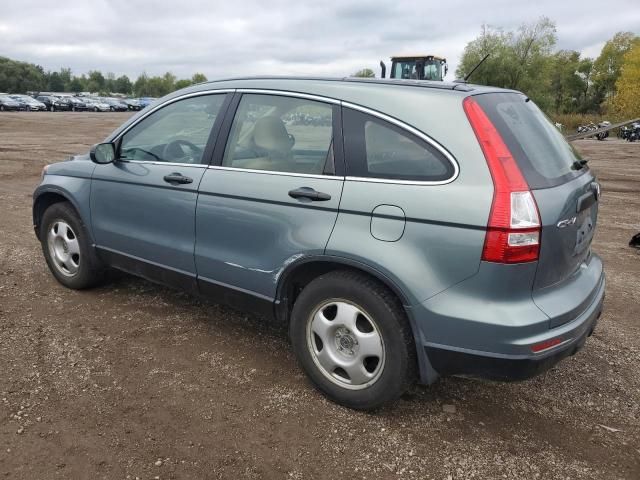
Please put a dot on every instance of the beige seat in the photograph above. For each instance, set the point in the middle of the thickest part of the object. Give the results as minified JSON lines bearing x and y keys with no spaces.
{"x":273,"y":143}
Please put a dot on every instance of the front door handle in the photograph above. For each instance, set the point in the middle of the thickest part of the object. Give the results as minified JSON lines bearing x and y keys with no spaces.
{"x":310,"y":194}
{"x":177,"y":178}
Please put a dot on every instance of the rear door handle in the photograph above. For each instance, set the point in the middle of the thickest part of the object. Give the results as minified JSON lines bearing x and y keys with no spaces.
{"x":309,"y":193}
{"x":177,"y":178}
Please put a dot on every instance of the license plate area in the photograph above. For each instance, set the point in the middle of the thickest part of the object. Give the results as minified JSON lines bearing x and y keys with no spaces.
{"x":584,"y":232}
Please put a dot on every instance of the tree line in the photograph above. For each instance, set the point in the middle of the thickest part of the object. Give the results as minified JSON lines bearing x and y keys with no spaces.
{"x":21,"y":77}
{"x":559,"y":81}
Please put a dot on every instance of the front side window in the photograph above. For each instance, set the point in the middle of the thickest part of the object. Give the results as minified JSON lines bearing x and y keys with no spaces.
{"x":176,"y":133}
{"x":375,"y":148}
{"x":281,"y":134}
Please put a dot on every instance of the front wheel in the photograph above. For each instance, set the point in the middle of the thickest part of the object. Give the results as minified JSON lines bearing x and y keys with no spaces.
{"x":351,"y":337}
{"x":67,"y":248}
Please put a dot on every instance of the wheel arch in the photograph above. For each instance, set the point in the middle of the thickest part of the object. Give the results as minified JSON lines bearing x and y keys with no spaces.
{"x":305,"y":269}
{"x":299,"y":273}
{"x":46,"y":197}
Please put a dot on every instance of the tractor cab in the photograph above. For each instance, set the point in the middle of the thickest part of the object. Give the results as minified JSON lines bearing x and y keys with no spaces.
{"x":424,"y":67}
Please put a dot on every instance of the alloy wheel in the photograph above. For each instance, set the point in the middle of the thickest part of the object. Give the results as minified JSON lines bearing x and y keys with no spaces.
{"x":345,"y":344}
{"x":64,"y":248}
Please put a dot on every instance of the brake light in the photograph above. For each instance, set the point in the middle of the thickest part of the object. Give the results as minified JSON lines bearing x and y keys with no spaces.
{"x":513,"y":231}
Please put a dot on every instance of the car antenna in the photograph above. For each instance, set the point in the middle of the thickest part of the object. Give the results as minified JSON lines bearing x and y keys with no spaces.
{"x":466,"y":77}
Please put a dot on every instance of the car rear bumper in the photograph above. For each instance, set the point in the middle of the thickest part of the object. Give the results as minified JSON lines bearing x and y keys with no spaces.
{"x":516,"y":367}
{"x":490,"y":326}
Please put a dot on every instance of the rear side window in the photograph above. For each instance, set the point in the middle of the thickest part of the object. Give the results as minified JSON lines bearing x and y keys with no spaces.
{"x":544,"y":156}
{"x":375,"y":148}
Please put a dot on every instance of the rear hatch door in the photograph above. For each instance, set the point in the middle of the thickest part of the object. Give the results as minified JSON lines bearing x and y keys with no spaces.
{"x":567,"y":196}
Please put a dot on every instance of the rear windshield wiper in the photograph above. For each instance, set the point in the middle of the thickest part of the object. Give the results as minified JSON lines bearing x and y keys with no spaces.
{"x":579,"y":164}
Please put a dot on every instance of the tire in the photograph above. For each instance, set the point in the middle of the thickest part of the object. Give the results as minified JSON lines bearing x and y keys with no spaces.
{"x":84,"y":271}
{"x":95,"y":109}
{"x":373,"y":320}
{"x":1,"y":108}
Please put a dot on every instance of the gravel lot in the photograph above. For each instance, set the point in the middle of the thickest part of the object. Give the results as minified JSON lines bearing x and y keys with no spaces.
{"x":135,"y":380}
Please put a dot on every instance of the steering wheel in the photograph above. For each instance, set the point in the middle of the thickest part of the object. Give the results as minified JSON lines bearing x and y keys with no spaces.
{"x":173,"y":150}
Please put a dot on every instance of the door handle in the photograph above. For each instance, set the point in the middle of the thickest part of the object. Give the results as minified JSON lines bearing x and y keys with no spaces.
{"x":310,"y":194}
{"x":176,"y":178}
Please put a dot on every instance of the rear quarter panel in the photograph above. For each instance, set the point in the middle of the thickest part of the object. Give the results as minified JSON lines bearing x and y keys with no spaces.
{"x":444,"y":233}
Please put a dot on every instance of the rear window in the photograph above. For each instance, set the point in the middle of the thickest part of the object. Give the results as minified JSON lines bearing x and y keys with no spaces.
{"x":544,"y":156}
{"x":375,"y":148}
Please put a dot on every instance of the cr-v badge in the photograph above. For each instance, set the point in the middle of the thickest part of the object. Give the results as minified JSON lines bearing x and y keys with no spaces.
{"x":567,"y":222}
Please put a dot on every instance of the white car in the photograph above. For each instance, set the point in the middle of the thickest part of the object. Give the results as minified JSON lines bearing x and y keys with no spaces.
{"x":33,"y":105}
{"x":96,"y":105}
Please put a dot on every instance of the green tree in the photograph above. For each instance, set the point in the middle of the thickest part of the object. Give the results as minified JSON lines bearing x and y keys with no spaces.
{"x":566,"y":83}
{"x":95,"y":81}
{"x":365,"y":73}
{"x":55,"y":83}
{"x":168,"y":83}
{"x":21,"y":77}
{"x":606,"y":68}
{"x":110,"y":83}
{"x":65,"y":76}
{"x":198,"y":78}
{"x":183,"y":83}
{"x":585,"y":72}
{"x":520,"y":60}
{"x":140,"y":85}
{"x":122,"y":84}
{"x":75,"y":85}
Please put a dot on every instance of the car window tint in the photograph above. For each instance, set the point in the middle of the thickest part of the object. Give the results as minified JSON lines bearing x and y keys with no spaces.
{"x":541,"y":151}
{"x":278,"y":133}
{"x":375,"y":148}
{"x":176,"y":133}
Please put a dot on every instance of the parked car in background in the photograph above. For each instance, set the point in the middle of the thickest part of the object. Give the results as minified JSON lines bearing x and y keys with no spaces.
{"x":8,"y":103}
{"x":95,"y":104}
{"x":31,"y":103}
{"x":396,"y":246}
{"x":22,"y":103}
{"x":115,"y":104}
{"x":133,"y":104}
{"x":146,"y":101}
{"x":53,"y":103}
{"x":74,"y":104}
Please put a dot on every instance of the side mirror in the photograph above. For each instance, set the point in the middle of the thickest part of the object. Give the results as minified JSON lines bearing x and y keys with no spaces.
{"x":103,"y":153}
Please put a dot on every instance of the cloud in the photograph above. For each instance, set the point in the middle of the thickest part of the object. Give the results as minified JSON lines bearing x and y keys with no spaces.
{"x":226,"y":39}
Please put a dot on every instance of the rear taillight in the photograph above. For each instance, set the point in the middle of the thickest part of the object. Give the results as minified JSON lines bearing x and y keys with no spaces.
{"x":513,"y":231}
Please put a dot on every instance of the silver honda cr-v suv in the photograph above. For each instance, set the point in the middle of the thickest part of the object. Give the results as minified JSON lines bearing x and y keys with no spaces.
{"x":403,"y":230}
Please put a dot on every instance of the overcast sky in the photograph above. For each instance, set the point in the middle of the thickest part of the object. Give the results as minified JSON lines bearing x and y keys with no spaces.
{"x":322,"y":37}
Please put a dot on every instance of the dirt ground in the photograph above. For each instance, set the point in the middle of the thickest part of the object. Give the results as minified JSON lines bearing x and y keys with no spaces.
{"x":133,"y":380}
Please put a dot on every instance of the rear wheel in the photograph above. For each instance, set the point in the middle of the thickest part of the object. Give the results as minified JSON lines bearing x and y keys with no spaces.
{"x":67,"y":248}
{"x":1,"y":108}
{"x":352,"y":339}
